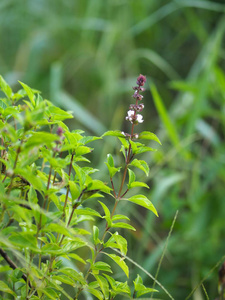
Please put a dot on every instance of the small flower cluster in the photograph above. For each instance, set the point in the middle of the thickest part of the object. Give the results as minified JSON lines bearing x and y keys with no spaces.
{"x":132,"y":115}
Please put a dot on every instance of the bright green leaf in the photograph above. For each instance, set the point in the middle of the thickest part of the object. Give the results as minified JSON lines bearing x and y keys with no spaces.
{"x":142,"y":201}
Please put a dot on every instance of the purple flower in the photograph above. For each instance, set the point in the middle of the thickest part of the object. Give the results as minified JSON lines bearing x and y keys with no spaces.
{"x":141,"y":80}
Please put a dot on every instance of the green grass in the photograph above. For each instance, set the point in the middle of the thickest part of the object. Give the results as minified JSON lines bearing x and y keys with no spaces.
{"x":85,"y":56}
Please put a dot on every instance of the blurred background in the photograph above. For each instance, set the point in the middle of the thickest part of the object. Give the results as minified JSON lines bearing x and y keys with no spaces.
{"x":85,"y":56}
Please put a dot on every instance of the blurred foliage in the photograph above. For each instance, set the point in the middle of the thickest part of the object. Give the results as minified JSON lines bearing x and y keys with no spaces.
{"x":85,"y":54}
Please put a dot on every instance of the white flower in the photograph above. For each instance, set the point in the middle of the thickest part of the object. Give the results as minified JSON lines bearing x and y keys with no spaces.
{"x":139,"y":118}
{"x":130,"y":116}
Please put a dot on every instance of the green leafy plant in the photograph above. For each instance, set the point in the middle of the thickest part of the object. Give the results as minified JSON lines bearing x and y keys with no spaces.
{"x":49,"y":237}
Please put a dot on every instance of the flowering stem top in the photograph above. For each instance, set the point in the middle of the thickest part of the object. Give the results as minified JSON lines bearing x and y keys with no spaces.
{"x":132,"y":114}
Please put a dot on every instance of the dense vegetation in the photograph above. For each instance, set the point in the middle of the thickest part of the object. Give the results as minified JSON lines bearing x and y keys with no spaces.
{"x":85,"y":55}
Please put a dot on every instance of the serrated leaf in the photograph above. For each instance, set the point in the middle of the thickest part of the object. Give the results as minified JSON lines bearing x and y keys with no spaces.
{"x":140,"y":164}
{"x":120,"y":262}
{"x":142,"y":201}
{"x":147,"y":135}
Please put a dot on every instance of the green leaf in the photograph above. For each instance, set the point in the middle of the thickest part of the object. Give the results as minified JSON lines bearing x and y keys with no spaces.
{"x":58,"y":228}
{"x":147,"y":135}
{"x":101,"y":266}
{"x":116,"y":133}
{"x":120,"y":262}
{"x":95,"y":235}
{"x":63,"y":279}
{"x":41,"y":138}
{"x":103,"y":283}
{"x":140,"y":164}
{"x":95,"y":292}
{"x":5,"y":289}
{"x":49,"y":292}
{"x":112,"y":170}
{"x":74,"y":190}
{"x":120,"y":217}
{"x":123,"y":225}
{"x":110,"y":165}
{"x":137,"y":184}
{"x":87,"y":212}
{"x":142,"y":201}
{"x":131,"y":177}
{"x":99,"y":185}
{"x":140,"y":288}
{"x":24,"y":240}
{"x":57,"y":114}
{"x":73,"y":274}
{"x":117,"y":286}
{"x":34,"y":180}
{"x":29,"y":92}
{"x":107,"y":214}
{"x":5,"y":88}
{"x":144,"y":149}
{"x":76,"y":257}
{"x":121,"y":242}
{"x":110,"y":160}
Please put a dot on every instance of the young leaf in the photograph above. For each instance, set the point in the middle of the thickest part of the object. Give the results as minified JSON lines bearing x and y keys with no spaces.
{"x":140,"y":288}
{"x":95,"y":235}
{"x":147,"y":135}
{"x":142,"y":201}
{"x":140,"y":164}
{"x":5,"y":88}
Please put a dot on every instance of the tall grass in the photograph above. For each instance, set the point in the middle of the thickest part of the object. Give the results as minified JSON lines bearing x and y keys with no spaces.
{"x":90,"y":52}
